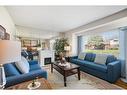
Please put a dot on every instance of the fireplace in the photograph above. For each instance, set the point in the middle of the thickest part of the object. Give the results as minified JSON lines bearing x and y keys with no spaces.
{"x":47,"y":60}
{"x":46,"y":57}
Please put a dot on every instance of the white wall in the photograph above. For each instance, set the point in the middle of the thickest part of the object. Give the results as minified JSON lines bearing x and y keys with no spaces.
{"x":7,"y":22}
{"x":72,"y":38}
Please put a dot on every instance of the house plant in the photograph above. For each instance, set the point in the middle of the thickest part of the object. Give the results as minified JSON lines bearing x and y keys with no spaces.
{"x":59,"y":46}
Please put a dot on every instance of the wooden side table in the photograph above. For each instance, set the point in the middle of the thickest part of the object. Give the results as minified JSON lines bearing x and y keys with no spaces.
{"x":44,"y":85}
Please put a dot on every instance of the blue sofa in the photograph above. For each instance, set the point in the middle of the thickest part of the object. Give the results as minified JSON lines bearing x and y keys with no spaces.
{"x":110,"y":71}
{"x":14,"y":76}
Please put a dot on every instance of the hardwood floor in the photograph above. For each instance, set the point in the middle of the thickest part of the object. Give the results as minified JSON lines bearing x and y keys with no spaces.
{"x":121,"y":84}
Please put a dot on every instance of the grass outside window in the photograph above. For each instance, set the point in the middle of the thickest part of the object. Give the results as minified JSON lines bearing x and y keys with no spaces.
{"x":112,"y":52}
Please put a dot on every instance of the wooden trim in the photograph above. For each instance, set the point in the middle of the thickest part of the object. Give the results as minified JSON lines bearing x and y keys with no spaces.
{"x":121,"y":84}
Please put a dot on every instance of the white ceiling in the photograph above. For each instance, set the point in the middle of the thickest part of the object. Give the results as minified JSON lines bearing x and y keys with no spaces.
{"x":59,"y":18}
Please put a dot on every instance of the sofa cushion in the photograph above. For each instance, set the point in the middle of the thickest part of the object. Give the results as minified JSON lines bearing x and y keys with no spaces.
{"x":23,"y":65}
{"x":82,"y":55}
{"x":33,"y":62}
{"x":101,"y":58}
{"x":78,"y":61}
{"x":10,"y":70}
{"x":34,"y":67}
{"x":90,"y":57}
{"x":110,"y":59}
{"x":99,"y":67}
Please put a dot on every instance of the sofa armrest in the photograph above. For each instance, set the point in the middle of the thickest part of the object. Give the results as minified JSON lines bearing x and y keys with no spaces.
{"x":114,"y":71}
{"x":72,"y":57}
{"x":33,"y":62}
{"x":13,"y":80}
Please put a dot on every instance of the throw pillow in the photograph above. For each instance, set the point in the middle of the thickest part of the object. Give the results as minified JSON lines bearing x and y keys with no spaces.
{"x":82,"y":55}
{"x":10,"y":70}
{"x":23,"y":65}
{"x":100,"y":58}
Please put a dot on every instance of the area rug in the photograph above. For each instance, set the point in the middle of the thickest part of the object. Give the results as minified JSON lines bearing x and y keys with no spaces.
{"x":87,"y":82}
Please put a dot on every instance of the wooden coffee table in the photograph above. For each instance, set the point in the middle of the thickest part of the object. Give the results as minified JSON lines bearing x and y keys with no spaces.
{"x":44,"y":85}
{"x":66,"y":71}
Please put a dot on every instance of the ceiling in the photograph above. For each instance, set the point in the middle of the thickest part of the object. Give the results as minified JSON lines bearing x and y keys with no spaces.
{"x":59,"y":18}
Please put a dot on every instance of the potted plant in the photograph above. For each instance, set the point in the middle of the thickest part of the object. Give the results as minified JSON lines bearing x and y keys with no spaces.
{"x":59,"y":46}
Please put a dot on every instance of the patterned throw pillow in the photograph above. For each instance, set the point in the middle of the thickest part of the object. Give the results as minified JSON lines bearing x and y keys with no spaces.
{"x":82,"y":55}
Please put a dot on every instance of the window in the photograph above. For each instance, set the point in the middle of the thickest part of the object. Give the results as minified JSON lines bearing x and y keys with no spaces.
{"x":102,"y":43}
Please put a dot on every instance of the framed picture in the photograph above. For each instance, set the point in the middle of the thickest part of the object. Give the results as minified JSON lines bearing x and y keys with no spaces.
{"x":2,"y":32}
{"x":7,"y":36}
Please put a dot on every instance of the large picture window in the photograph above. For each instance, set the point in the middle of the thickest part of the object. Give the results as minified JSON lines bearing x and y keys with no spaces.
{"x":102,"y":43}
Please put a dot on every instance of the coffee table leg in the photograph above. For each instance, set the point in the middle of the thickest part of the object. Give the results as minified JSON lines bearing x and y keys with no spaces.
{"x":65,"y":84}
{"x":78,"y":73}
{"x":51,"y":67}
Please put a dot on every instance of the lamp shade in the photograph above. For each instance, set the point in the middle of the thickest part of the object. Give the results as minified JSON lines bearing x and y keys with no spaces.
{"x":10,"y":51}
{"x":67,"y":48}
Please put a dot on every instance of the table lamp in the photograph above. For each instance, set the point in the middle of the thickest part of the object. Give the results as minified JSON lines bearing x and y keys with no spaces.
{"x":67,"y":49}
{"x":10,"y":51}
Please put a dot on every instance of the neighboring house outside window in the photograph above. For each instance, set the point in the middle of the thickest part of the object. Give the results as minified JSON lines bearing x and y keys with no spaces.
{"x":102,"y":43}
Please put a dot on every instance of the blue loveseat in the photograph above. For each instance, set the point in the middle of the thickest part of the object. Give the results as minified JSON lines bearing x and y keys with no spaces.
{"x":110,"y":71}
{"x":14,"y":76}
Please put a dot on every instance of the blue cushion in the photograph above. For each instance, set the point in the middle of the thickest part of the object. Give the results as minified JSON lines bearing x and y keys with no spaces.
{"x":99,"y":67}
{"x":90,"y":57}
{"x":34,"y":67}
{"x":110,"y":59}
{"x":33,"y":62}
{"x":78,"y":61}
{"x":10,"y":70}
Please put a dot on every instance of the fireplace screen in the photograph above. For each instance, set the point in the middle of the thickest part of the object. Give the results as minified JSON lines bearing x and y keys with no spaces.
{"x":47,"y":60}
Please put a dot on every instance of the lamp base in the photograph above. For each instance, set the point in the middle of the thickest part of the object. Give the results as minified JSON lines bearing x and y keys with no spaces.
{"x":2,"y":87}
{"x":1,"y":65}
{"x":2,"y":77}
